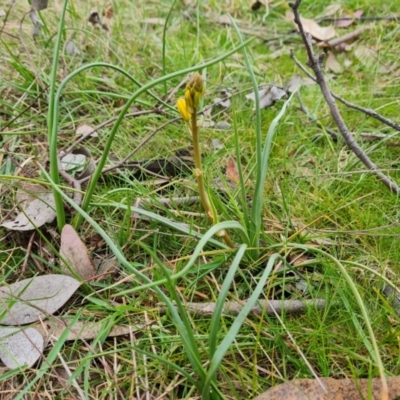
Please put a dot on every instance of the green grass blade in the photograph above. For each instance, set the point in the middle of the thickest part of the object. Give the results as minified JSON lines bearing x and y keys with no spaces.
{"x":230,"y":336}
{"x":215,"y":320}
{"x":143,"y":89}
{"x":51,"y":117}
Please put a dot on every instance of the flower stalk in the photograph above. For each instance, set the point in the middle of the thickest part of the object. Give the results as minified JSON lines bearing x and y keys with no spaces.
{"x":187,"y":107}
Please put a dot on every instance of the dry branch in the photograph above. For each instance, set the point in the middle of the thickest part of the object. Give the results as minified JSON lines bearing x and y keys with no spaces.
{"x":315,"y":63}
{"x":269,"y":307}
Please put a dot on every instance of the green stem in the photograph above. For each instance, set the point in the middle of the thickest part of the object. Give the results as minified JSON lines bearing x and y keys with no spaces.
{"x":51,"y":118}
{"x":199,"y":173}
{"x":198,"y":167}
{"x":93,"y":182}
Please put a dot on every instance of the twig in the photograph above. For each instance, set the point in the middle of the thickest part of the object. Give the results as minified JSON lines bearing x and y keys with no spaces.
{"x":367,"y":111}
{"x":388,"y":18}
{"x":6,"y":17}
{"x":345,"y":38}
{"x":315,"y":63}
{"x":366,"y":137}
{"x":29,"y":106}
{"x":263,"y":306}
{"x":28,"y":253}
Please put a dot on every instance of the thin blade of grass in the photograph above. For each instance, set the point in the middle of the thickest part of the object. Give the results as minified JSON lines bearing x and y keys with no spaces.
{"x":230,"y":336}
{"x":219,"y":305}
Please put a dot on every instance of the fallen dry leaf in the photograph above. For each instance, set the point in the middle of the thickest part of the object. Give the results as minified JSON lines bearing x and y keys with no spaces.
{"x":232,"y":172}
{"x":38,"y":209}
{"x":317,"y":32}
{"x":268,"y":96}
{"x":73,"y":162}
{"x":333,"y":64}
{"x":28,"y":300}
{"x":108,"y":12}
{"x":336,"y":389}
{"x":71,"y":49}
{"x":347,"y":20}
{"x":18,"y":348}
{"x":84,"y":130}
{"x":75,"y":253}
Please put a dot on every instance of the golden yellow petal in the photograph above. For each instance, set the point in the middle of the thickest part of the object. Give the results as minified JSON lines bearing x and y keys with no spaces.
{"x":182,"y":108}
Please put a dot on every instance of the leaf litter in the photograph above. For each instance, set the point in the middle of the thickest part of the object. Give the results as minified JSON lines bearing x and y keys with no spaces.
{"x":28,"y":300}
{"x":335,"y":389}
{"x":76,"y":254}
{"x":268,"y":96}
{"x":38,"y":208}
{"x":333,"y":64}
{"x":20,"y":347}
{"x":318,"y":32}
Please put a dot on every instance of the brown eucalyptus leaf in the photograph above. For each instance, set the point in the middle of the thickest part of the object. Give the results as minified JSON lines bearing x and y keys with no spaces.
{"x":333,"y":64}
{"x":317,"y":32}
{"x":108,"y":12}
{"x":232,"y":172}
{"x":347,"y":20}
{"x":30,"y":299}
{"x":38,"y":209}
{"x":335,"y":389}
{"x":75,"y":252}
{"x":20,"y":347}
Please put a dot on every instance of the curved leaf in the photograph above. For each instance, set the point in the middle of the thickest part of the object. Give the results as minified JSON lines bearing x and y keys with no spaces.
{"x":30,"y":299}
{"x":18,"y":348}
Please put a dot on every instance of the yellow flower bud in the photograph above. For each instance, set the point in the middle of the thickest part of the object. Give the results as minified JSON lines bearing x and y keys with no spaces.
{"x":189,"y":101}
{"x":194,"y":91}
{"x":183,"y":109}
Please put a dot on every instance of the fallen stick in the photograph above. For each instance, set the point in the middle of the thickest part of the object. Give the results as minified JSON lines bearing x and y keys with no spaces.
{"x":263,"y":306}
{"x":315,"y":63}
